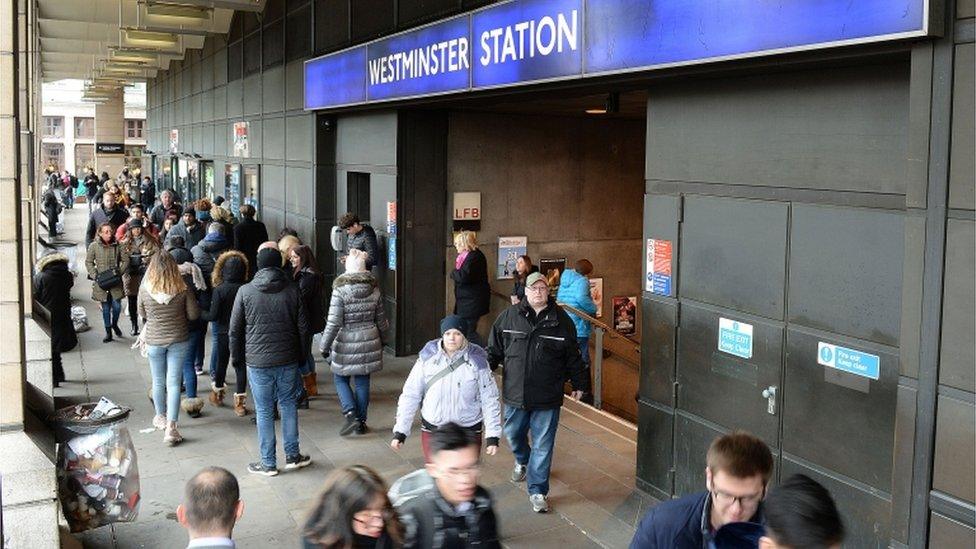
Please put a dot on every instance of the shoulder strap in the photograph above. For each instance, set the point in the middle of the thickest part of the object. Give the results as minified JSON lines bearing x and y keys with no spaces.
{"x":445,"y":372}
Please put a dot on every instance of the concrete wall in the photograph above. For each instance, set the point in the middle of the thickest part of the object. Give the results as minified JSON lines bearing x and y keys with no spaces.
{"x":572,"y":185}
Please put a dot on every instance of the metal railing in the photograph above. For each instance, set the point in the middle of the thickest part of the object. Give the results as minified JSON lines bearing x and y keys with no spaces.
{"x":603,"y":334}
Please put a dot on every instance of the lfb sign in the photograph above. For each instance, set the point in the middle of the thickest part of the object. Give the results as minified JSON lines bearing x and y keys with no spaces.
{"x":467,"y":206}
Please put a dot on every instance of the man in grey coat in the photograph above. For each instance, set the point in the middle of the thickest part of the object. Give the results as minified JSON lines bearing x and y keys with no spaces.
{"x":269,"y":332}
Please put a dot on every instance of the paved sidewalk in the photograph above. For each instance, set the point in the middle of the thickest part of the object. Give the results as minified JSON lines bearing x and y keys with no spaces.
{"x":592,"y":493}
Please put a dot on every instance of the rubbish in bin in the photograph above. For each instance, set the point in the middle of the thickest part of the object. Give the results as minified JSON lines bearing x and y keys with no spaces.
{"x":79,"y":318}
{"x":98,"y":475}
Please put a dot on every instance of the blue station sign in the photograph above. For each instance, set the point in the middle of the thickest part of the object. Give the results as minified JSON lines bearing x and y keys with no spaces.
{"x":525,"y":41}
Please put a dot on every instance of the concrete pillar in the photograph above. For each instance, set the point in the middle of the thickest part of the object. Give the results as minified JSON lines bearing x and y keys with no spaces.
{"x":110,"y":130}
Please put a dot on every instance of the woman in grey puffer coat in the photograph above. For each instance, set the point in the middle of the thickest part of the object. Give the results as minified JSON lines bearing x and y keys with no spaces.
{"x":353,"y":336}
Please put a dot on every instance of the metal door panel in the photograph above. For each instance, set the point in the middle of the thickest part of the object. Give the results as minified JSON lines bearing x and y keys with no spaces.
{"x":691,"y":441}
{"x":836,"y":420}
{"x":953,"y":470}
{"x":846,"y":271}
{"x":654,"y":448}
{"x":866,"y":513}
{"x":733,"y":253}
{"x":945,"y":532}
{"x":958,"y":354}
{"x":711,"y":383}
{"x":658,"y":329}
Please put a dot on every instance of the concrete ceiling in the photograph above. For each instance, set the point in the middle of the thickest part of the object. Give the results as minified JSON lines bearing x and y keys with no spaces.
{"x":78,"y":36}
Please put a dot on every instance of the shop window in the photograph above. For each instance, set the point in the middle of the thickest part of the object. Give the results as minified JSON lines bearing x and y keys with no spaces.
{"x":53,"y":126}
{"x":84,"y":158}
{"x":84,"y":128}
{"x":133,"y":158}
{"x":52,"y":155}
{"x":134,"y":128}
{"x":252,"y":187}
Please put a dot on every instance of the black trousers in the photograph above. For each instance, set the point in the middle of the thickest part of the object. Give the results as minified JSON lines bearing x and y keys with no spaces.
{"x":223,"y":357}
{"x":133,"y":309}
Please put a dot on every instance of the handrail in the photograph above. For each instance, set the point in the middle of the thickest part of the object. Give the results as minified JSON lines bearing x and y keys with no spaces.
{"x":606,"y":327}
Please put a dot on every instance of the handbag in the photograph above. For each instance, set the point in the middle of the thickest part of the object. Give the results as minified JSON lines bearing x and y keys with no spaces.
{"x":135,"y":264}
{"x":110,"y":278}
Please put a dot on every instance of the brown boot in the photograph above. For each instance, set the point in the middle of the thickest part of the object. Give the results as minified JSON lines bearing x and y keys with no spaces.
{"x":310,"y":387}
{"x":216,"y":395}
{"x":240,"y":400}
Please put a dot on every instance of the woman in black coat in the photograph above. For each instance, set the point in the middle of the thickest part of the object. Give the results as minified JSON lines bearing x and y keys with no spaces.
{"x":472,"y":294}
{"x":52,"y":207}
{"x":311,"y":283}
{"x":52,"y":289}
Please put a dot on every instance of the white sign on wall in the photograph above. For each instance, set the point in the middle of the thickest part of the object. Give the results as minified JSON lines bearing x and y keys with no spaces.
{"x":467,"y":206}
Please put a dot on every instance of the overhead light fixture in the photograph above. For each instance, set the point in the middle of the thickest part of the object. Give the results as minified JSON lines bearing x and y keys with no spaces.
{"x":611,"y":105}
{"x":137,"y":57}
{"x":180,"y":11}
{"x":150,"y":38}
{"x":125,"y":63}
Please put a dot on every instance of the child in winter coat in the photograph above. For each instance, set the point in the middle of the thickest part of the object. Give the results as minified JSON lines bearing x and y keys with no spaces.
{"x":451,"y":383}
{"x":229,"y":273}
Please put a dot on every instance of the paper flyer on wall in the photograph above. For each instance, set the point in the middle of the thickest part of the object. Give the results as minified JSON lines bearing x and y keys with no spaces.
{"x":625,"y":314}
{"x":509,"y":250}
{"x":596,"y":292}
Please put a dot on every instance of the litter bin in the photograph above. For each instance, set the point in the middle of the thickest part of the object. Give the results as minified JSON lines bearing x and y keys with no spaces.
{"x":98,"y":473}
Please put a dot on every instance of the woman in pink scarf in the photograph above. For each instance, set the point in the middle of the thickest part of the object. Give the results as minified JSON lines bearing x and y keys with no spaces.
{"x":472,"y":294}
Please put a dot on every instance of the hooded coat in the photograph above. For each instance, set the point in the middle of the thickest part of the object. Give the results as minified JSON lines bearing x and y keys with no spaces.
{"x":574,"y":290}
{"x":168,"y":317}
{"x":355,"y":326}
{"x":268,"y":326}
{"x":52,"y":207}
{"x":52,"y":289}
{"x":102,"y":257}
{"x":248,"y":235}
{"x":229,"y":274}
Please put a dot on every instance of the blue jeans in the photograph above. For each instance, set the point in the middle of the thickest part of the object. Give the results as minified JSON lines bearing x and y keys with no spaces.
{"x":165,"y":362}
{"x":543,"y":425}
{"x":111,"y":309}
{"x":349,"y":402}
{"x":584,"y":347}
{"x":267,"y":385}
{"x":194,"y":344}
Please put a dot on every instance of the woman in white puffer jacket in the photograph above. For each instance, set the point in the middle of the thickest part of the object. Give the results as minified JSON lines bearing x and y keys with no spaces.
{"x":450,"y":383}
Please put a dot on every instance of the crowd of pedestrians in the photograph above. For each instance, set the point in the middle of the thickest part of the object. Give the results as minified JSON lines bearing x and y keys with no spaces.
{"x":186,"y":269}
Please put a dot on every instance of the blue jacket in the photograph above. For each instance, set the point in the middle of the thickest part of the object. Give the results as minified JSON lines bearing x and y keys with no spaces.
{"x":574,"y":290}
{"x":679,"y":524}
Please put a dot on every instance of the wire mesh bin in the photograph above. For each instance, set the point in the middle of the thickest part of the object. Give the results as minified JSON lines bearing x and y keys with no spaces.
{"x":98,"y":473}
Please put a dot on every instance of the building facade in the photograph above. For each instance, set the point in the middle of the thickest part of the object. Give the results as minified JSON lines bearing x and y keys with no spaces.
{"x":68,"y":127}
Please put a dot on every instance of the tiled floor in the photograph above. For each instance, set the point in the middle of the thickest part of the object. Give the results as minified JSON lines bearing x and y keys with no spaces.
{"x":594,"y":502}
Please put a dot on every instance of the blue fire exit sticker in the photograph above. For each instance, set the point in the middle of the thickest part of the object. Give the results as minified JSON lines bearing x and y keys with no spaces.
{"x":735,"y":337}
{"x":849,"y":360}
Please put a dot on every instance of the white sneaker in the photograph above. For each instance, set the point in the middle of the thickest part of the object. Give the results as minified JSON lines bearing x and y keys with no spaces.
{"x":540,"y":503}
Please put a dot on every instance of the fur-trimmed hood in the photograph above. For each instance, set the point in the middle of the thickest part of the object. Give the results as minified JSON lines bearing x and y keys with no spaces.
{"x":50,"y":259}
{"x":348,"y":279}
{"x":231,"y":266}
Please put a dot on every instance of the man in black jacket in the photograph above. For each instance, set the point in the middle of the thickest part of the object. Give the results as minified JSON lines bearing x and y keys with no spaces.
{"x":106,"y":213}
{"x":167,"y":205}
{"x":536,"y":341}
{"x":361,"y":237}
{"x":269,"y":332}
{"x":455,"y":512}
{"x":249,"y":233}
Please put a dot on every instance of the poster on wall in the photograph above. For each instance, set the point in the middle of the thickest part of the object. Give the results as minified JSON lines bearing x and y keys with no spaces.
{"x":241,"y":146}
{"x":552,"y":269}
{"x":625,"y":314}
{"x":658,"y":267}
{"x":596,"y":292}
{"x":174,"y":140}
{"x":391,"y":256}
{"x":391,"y":218}
{"x":510,"y":248}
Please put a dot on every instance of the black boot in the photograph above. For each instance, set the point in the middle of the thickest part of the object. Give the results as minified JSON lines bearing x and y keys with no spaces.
{"x":58,"y":374}
{"x":302,"y":402}
{"x":108,"y":335}
{"x":135,"y":328}
{"x":116,"y":329}
{"x":352,"y":424}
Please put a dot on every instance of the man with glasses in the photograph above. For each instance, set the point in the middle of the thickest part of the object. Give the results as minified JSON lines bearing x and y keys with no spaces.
{"x":738,"y":468}
{"x":455,"y":512}
{"x":536,"y":341}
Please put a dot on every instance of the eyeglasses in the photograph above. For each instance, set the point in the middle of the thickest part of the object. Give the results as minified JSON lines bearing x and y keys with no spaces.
{"x":724,"y":499}
{"x":463,"y":472}
{"x":368,"y":516}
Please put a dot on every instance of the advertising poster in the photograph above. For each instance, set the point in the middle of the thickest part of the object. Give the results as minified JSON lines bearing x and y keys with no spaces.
{"x":391,"y":258}
{"x":658,"y":267}
{"x":509,"y":250}
{"x":625,"y":314}
{"x":552,"y":269}
{"x":391,"y":218}
{"x":596,"y":292}
{"x":241,"y":147}
{"x":174,"y":140}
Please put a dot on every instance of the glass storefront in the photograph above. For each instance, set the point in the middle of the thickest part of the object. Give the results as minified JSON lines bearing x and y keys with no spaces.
{"x":252,"y":187}
{"x":188,"y":180}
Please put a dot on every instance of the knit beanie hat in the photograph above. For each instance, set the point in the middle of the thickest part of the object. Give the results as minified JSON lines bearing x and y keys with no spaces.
{"x":356,"y":261}
{"x":269,"y":257}
{"x":135,"y":224}
{"x":454,"y":322}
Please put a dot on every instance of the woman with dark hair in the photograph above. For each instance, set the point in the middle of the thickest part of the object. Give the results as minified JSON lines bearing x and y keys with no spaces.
{"x":107,"y":262}
{"x":353,"y":512}
{"x":310,"y":281}
{"x":523,"y":268}
{"x":140,"y":245}
{"x":228,"y":276}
